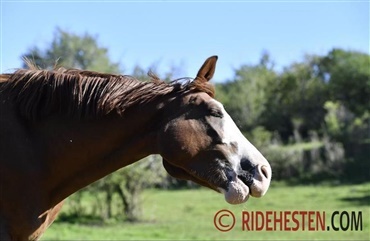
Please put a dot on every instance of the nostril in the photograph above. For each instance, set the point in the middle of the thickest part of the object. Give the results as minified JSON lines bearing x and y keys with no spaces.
{"x":264,"y":172}
{"x":246,"y":165}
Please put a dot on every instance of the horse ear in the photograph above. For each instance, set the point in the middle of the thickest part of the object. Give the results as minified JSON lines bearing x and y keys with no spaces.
{"x":207,"y":70}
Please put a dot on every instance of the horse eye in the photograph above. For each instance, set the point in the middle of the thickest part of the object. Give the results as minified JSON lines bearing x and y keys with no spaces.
{"x":216,"y":113}
{"x":192,"y":100}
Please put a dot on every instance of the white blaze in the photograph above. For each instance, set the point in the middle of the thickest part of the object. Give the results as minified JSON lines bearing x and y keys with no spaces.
{"x":238,"y":192}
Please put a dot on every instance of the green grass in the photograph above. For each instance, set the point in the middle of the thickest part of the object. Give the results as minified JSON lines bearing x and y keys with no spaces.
{"x":188,"y":215}
{"x":305,"y":146}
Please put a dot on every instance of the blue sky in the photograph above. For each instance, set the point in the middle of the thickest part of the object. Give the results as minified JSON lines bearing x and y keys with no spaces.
{"x":184,"y":33}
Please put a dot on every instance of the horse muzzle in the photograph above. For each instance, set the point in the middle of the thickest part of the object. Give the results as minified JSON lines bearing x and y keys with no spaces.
{"x":244,"y":184}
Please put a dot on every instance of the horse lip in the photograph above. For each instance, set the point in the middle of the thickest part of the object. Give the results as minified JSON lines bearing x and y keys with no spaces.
{"x":237,"y":191}
{"x":246,"y":178}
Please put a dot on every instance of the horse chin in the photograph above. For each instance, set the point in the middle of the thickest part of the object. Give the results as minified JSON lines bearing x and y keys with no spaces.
{"x":236,"y":193}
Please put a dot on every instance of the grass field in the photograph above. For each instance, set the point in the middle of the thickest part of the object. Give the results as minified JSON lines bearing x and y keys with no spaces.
{"x":189,"y":215}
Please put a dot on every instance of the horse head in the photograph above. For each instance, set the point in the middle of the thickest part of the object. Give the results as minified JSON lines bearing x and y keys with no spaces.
{"x":201,"y":142}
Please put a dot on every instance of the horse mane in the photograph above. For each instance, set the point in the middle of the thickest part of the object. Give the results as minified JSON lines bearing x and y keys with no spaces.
{"x":39,"y":92}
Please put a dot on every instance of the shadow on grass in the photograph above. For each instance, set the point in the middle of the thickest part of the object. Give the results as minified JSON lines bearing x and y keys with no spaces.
{"x":80,"y":219}
{"x":362,"y":201}
{"x":326,"y":179}
{"x":93,"y":220}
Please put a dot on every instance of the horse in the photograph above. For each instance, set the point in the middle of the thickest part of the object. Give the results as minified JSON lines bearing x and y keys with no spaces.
{"x":62,"y":129}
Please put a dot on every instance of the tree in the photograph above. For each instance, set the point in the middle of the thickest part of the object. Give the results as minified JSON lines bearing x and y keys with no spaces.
{"x":295,"y":100}
{"x":244,"y":97}
{"x":348,"y":75}
{"x":73,"y":51}
{"x":127,"y":184}
{"x":312,"y":119}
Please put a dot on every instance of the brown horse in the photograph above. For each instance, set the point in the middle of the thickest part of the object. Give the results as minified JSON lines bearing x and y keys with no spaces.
{"x":61,"y":130}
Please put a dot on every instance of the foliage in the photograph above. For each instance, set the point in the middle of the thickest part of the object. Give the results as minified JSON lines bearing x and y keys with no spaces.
{"x":126,"y":185}
{"x":245,"y":96}
{"x":73,"y":51}
{"x":295,"y":100}
{"x":323,"y":99}
{"x":348,"y":76}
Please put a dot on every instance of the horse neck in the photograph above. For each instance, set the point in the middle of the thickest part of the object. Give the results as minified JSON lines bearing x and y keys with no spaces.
{"x":77,"y":153}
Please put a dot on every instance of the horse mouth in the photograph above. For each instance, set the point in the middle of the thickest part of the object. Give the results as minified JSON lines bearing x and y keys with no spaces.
{"x":236,"y":193}
{"x":239,"y":188}
{"x":254,"y":182}
{"x":236,"y":187}
{"x":246,"y":178}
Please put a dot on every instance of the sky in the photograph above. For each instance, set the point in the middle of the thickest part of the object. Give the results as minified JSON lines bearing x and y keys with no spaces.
{"x":184,"y":33}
